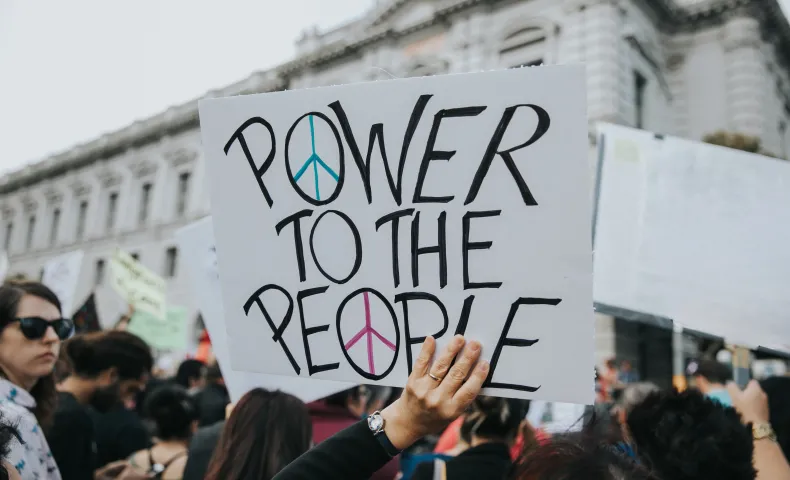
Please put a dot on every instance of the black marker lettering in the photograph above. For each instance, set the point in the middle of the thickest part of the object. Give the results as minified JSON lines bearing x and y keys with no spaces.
{"x":278,"y":331}
{"x":306,"y":332}
{"x":466,"y":245}
{"x":259,"y":172}
{"x":340,"y":158}
{"x":405,"y":298}
{"x":298,"y":247}
{"x":463,"y":321}
{"x":394,"y":217}
{"x":543,"y":126}
{"x":440,"y":248}
{"x":505,"y":341}
{"x":431,"y":154}
{"x":357,"y":247}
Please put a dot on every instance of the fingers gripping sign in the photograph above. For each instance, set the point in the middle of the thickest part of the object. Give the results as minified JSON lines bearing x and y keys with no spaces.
{"x":427,"y":405}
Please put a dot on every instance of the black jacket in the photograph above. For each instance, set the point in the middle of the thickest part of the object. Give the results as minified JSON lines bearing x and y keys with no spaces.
{"x":119,"y":433}
{"x":71,"y":439}
{"x":489,"y":461}
{"x":352,"y":454}
{"x":201,"y":449}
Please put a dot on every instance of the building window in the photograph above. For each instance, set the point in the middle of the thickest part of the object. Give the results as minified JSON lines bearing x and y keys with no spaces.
{"x":9,"y":230}
{"x":171,"y":259}
{"x":82,"y":218}
{"x":640,"y":85}
{"x":523,"y":47}
{"x":145,"y":200}
{"x":31,"y":228}
{"x":98,"y":275}
{"x":183,"y":193}
{"x":135,"y":256}
{"x":112,"y":210}
{"x":53,"y":229}
{"x":41,"y":274}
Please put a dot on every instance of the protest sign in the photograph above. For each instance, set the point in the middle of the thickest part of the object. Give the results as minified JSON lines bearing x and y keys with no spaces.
{"x":61,"y":275}
{"x":139,"y":286}
{"x":86,"y":318}
{"x":169,"y":333}
{"x":196,"y":242}
{"x":353,"y":221}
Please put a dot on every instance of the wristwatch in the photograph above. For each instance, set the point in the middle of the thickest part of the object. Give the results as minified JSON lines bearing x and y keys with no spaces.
{"x":763,"y":430}
{"x":376,"y":425}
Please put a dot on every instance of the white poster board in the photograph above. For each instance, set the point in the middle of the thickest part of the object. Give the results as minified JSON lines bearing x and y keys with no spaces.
{"x":196,"y":242}
{"x":696,"y":233}
{"x":61,"y":275}
{"x":368,"y":216}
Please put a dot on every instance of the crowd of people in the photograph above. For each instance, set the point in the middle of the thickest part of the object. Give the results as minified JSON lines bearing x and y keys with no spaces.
{"x":88,"y":406}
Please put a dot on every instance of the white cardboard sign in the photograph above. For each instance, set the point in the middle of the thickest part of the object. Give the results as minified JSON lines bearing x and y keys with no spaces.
{"x":353,"y":221}
{"x":196,"y":242}
{"x":61,"y":275}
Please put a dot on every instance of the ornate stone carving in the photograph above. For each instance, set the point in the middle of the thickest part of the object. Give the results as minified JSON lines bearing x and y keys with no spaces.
{"x":181,"y":156}
{"x":109,"y":177}
{"x":143,"y":168}
{"x":53,"y":196}
{"x":80,"y":187}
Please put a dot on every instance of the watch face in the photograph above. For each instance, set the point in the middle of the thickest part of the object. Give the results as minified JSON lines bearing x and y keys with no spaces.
{"x":375,"y":423}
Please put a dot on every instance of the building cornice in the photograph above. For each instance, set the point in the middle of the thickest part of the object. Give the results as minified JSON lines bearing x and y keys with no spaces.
{"x":174,"y":120}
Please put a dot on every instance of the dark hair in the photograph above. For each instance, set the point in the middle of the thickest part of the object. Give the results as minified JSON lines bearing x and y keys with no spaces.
{"x":213,"y":373}
{"x":7,"y":434}
{"x":92,"y":353}
{"x":494,"y":418}
{"x":778,"y":391}
{"x":173,"y":411}
{"x":190,"y":369}
{"x":686,"y":436}
{"x":44,"y":391}
{"x":341,"y":399}
{"x":266,"y":431}
{"x":578,"y":456}
{"x":713,"y":371}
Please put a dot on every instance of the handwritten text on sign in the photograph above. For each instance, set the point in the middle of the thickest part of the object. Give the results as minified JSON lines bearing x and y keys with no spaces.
{"x":351,"y":222}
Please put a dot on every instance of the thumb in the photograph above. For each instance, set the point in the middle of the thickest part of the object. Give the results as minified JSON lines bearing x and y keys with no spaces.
{"x":733,"y":390}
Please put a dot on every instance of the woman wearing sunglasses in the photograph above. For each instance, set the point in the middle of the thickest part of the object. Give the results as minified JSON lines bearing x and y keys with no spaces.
{"x":31,"y":331}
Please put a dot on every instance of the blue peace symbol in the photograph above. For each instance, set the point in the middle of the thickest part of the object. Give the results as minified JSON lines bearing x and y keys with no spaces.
{"x":315,"y":161}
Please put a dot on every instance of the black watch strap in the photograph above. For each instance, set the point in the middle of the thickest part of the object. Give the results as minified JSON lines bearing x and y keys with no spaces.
{"x":388,"y":446}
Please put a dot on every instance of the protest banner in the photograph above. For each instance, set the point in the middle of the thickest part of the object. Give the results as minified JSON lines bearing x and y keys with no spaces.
{"x":61,"y":275}
{"x":353,"y":221}
{"x":86,"y":318}
{"x":196,"y":243}
{"x":169,"y":333}
{"x":139,"y":286}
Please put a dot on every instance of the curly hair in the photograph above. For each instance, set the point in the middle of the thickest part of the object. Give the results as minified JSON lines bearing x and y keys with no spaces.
{"x":7,"y":434}
{"x":686,"y":436}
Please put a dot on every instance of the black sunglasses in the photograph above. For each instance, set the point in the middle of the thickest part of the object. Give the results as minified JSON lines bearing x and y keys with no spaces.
{"x":34,"y":328}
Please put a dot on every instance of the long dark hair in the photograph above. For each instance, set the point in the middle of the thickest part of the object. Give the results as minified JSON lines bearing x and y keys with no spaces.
{"x":44,"y":391}
{"x":266,"y":431}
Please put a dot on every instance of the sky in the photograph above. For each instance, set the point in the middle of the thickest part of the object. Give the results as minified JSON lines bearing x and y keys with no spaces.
{"x":73,"y":70}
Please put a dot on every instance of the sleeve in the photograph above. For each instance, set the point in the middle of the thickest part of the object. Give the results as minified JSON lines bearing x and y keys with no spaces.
{"x":22,"y":454}
{"x":71,"y":443}
{"x":352,"y":454}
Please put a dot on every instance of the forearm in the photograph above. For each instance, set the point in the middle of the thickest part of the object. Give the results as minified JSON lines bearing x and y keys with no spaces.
{"x":769,"y":461}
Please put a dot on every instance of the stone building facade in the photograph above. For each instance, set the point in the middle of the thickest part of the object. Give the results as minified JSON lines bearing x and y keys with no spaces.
{"x":682,"y":67}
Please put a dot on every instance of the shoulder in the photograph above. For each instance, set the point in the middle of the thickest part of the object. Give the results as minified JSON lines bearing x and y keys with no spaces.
{"x":424,"y":470}
{"x":175,"y":470}
{"x":139,"y":459}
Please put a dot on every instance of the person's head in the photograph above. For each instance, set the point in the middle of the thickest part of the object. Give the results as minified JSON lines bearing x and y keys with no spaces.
{"x":191,"y":374}
{"x":214,"y":374}
{"x":611,"y":364}
{"x":625,"y":366}
{"x":633,"y":395}
{"x":265,"y":432}
{"x":685,"y":436}
{"x":353,"y":399}
{"x":778,"y":391}
{"x":493,"y":419}
{"x":173,"y":411}
{"x":8,"y":434}
{"x":709,"y":374}
{"x":578,"y":456}
{"x":114,"y":365}
{"x":31,"y":331}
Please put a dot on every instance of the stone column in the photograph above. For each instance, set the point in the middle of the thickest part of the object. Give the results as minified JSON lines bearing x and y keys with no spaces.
{"x":744,"y":74}
{"x":677,"y":50}
{"x":601,"y":52}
